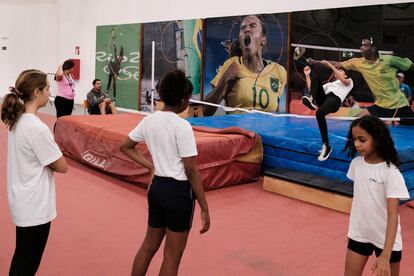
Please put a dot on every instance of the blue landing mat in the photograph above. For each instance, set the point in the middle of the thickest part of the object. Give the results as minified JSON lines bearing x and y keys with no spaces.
{"x":293,"y":143}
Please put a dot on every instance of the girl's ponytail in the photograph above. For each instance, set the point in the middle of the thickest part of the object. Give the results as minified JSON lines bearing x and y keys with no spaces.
{"x":12,"y":108}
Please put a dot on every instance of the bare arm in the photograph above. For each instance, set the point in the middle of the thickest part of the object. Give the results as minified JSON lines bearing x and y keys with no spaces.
{"x":191,"y":170}
{"x":338,"y":75}
{"x":382,"y":264}
{"x":224,"y":85}
{"x":128,"y":148}
{"x":59,"y":166}
{"x":59,"y":74}
{"x":215,"y":96}
{"x":319,"y":62}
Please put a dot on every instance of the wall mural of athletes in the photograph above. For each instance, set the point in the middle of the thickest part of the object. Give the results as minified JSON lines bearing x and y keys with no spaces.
{"x":118,"y":62}
{"x":245,"y":59}
{"x":178,"y":44}
{"x":245,"y":62}
{"x":337,"y":35}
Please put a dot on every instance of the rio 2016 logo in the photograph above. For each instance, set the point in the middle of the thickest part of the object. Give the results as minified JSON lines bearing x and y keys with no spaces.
{"x":126,"y":72}
{"x":96,"y":159}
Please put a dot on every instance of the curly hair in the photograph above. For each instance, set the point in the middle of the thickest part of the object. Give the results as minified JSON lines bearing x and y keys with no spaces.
{"x":384,"y":145}
{"x":175,"y":87}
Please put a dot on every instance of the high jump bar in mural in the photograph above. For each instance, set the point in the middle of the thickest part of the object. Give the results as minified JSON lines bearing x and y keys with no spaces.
{"x":307,"y":46}
{"x":233,"y":109}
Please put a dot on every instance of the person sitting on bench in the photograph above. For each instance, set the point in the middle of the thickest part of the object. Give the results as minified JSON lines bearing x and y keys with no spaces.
{"x":98,"y":101}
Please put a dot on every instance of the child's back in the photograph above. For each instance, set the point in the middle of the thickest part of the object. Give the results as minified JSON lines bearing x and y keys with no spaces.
{"x":169,"y":138}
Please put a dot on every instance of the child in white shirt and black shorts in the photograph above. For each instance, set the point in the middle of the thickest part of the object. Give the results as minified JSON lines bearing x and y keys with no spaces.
{"x":378,"y":187}
{"x":176,"y":181}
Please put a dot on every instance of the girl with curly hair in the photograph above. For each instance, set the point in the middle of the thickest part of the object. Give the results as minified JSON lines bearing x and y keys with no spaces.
{"x":378,"y":187}
{"x":176,"y":182}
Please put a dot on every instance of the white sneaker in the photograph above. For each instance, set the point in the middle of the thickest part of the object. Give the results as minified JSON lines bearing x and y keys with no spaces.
{"x":325,"y":152}
{"x":309,"y":102}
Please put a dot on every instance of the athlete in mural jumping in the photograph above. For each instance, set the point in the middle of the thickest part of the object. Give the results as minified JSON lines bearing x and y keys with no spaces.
{"x":379,"y":71}
{"x":247,"y":80}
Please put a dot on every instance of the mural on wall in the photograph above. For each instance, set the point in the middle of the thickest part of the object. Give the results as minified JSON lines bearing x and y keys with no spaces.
{"x":245,"y":62}
{"x":178,"y":45}
{"x":117,"y":62}
{"x":336,"y":34}
{"x":246,"y":57}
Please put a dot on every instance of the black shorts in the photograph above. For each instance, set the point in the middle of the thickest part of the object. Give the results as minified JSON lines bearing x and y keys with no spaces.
{"x":405,"y":112}
{"x":97,"y":111}
{"x":170,"y":204}
{"x":366,"y":249}
{"x":63,"y":106}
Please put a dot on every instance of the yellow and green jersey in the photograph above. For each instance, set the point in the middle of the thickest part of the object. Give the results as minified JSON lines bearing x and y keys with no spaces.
{"x":381,"y":78}
{"x":254,"y":91}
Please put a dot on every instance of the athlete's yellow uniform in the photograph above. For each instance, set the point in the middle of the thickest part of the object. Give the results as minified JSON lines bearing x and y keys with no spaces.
{"x":254,"y":91}
{"x":381,"y":78}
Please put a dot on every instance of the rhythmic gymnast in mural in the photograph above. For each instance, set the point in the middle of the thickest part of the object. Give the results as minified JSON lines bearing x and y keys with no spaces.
{"x":114,"y":69}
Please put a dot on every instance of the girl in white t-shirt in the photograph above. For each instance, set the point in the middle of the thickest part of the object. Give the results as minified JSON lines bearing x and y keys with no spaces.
{"x":328,"y":98}
{"x":176,"y":180}
{"x":378,"y":186}
{"x":32,"y":158}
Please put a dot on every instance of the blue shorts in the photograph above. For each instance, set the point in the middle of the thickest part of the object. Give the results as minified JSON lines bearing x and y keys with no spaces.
{"x":170,"y":204}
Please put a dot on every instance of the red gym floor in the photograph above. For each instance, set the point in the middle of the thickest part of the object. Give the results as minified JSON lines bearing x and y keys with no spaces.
{"x":102,"y":220}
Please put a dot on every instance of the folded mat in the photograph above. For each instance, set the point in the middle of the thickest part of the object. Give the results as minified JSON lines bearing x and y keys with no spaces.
{"x":226,"y":156}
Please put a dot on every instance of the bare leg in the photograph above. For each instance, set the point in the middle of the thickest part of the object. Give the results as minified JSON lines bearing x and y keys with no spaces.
{"x":149,"y":247}
{"x":102,"y":108}
{"x":395,"y":269}
{"x":113,"y":108}
{"x":175,"y":243}
{"x":354,"y":263}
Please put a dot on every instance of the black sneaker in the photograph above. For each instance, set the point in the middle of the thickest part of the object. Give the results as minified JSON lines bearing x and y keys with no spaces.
{"x":325,"y":152}
{"x":309,"y":102}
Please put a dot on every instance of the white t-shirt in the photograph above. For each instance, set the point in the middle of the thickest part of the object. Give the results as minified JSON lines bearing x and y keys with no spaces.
{"x":169,"y":138}
{"x":30,"y":183}
{"x":373,"y":184}
{"x":338,"y":88}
